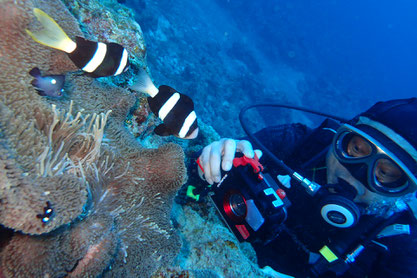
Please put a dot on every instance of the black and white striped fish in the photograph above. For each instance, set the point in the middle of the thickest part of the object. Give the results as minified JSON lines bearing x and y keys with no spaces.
{"x":97,"y":59}
{"x":175,"y":109}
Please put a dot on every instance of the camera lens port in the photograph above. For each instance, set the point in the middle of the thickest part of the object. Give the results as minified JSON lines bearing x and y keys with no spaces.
{"x":234,"y":205}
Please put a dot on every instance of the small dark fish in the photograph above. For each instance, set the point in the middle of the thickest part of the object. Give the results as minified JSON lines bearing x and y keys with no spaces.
{"x":97,"y":59}
{"x":47,"y":213}
{"x":48,"y":85}
{"x":176,"y":110}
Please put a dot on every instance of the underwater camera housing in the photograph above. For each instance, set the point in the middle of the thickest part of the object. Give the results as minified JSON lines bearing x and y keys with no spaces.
{"x":250,"y":201}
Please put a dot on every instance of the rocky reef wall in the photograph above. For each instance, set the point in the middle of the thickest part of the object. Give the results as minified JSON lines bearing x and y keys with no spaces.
{"x":90,"y":158}
{"x":110,"y":198}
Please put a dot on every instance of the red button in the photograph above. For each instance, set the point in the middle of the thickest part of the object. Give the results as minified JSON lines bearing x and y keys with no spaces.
{"x":281,"y":193}
{"x":243,"y":231}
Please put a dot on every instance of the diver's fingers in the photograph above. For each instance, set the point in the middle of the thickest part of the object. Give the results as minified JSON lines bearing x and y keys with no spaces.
{"x":246,"y":148}
{"x":201,"y":174}
{"x":229,"y":150}
{"x":223,"y":152}
{"x":215,"y":159}
{"x":205,"y":163}
{"x":258,"y":153}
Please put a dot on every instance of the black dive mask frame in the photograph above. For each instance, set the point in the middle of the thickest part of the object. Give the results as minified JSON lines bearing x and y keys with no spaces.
{"x":337,"y":209}
{"x":364,"y":166}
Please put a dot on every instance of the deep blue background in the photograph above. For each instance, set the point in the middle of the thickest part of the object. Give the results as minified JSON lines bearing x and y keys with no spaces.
{"x":334,"y":56}
{"x":363,"y":45}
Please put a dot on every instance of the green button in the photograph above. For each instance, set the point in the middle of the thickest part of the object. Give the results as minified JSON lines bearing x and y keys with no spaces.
{"x":190,"y":193}
{"x":328,"y":254}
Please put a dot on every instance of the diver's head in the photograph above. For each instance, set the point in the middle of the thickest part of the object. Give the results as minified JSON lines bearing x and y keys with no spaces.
{"x":376,"y":152}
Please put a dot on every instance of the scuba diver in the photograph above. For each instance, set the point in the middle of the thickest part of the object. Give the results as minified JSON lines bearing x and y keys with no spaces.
{"x":352,"y":191}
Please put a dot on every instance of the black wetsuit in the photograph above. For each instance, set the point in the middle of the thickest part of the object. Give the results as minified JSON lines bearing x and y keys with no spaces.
{"x":304,"y":150}
{"x":307,"y":232}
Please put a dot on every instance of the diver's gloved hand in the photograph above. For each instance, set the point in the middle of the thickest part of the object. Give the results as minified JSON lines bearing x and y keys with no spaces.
{"x":222,"y":152}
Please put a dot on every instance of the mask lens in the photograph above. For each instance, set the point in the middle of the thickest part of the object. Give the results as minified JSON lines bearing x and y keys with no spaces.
{"x":388,"y":174}
{"x":355,"y":146}
{"x":371,"y":163}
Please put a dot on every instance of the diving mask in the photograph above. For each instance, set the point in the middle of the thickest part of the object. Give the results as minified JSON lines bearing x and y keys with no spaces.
{"x":385,"y":173}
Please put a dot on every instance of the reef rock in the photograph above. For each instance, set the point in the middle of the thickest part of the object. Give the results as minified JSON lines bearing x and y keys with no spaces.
{"x":108,"y":200}
{"x":80,"y":196}
{"x":216,"y":251}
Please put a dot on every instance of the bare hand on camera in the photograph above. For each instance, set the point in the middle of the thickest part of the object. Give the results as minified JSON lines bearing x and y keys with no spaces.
{"x":223,"y":152}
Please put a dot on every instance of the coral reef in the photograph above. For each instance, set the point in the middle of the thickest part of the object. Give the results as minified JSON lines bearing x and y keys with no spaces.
{"x":191,"y":47}
{"x":216,"y":250}
{"x":25,"y":186}
{"x":110,"y":197}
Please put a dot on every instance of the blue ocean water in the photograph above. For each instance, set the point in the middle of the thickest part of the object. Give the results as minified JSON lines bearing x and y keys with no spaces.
{"x":334,"y":56}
